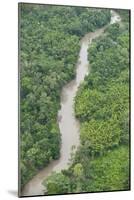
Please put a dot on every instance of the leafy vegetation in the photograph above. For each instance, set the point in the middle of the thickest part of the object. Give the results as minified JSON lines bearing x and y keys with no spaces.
{"x":49,"y":47}
{"x":58,"y":183}
{"x":102,"y":107}
{"x":110,"y":172}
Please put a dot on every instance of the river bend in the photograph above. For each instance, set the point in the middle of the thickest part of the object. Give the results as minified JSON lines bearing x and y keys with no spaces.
{"x":68,"y":124}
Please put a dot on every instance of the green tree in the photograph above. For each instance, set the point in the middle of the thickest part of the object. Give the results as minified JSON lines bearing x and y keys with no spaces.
{"x":57,"y":183}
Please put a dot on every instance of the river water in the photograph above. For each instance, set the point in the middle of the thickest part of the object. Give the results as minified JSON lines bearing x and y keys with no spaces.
{"x":68,"y":124}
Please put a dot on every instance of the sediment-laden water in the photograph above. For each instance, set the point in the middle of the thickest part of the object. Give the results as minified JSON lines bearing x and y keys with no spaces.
{"x":68,"y":124}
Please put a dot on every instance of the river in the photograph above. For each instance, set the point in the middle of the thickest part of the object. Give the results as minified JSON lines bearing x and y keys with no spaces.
{"x":68,"y":124}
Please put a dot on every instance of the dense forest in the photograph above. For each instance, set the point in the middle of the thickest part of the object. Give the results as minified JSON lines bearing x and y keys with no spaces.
{"x":49,"y":48}
{"x":102,"y":107}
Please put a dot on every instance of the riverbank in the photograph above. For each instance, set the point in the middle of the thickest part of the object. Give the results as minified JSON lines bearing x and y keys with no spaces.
{"x":69,"y":136}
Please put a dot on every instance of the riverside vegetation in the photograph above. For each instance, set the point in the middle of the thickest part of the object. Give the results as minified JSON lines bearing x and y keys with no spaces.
{"x":102,"y":106}
{"x":49,"y":38}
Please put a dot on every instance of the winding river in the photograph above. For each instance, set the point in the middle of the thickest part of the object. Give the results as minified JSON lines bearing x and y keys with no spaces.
{"x":68,"y":124}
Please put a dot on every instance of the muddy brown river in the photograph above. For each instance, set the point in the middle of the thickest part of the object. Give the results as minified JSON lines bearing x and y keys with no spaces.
{"x":68,"y":124}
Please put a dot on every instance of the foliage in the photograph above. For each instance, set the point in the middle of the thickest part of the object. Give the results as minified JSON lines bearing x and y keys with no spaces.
{"x":78,"y":170}
{"x":102,"y":106}
{"x":102,"y":103}
{"x":49,"y":47}
{"x":57,"y":183}
{"x":110,"y":172}
{"x":124,"y":14}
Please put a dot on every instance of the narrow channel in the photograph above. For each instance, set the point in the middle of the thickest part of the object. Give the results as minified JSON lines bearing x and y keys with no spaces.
{"x":68,"y":124}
